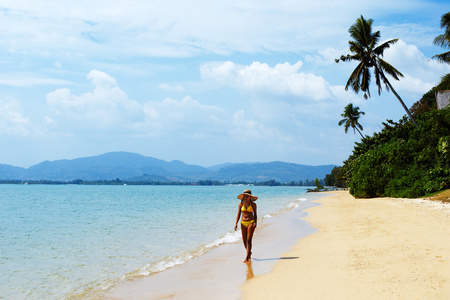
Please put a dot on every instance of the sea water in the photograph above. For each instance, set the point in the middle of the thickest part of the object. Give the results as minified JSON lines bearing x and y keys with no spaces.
{"x":68,"y":241}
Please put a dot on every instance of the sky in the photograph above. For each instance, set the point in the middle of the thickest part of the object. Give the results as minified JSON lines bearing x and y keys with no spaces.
{"x":204,"y":82}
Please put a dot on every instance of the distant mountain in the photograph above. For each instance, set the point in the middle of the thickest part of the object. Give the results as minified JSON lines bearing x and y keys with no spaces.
{"x":112,"y":165}
{"x":135,"y":167}
{"x":9,"y":172}
{"x":218,"y":167}
{"x":280,"y":171}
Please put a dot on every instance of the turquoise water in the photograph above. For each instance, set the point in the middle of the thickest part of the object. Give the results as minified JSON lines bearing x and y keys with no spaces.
{"x":67,"y":241}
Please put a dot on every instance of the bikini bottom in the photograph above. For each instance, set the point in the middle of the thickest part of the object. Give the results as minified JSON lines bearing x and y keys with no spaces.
{"x":247,"y":223}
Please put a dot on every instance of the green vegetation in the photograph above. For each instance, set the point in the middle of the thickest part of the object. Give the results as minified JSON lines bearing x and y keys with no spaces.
{"x":401,"y":160}
{"x":366,"y":51}
{"x":318,"y":185}
{"x":336,"y":178}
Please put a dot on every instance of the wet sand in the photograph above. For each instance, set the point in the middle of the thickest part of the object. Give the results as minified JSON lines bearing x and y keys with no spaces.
{"x":379,"y":248}
{"x":219,"y":273}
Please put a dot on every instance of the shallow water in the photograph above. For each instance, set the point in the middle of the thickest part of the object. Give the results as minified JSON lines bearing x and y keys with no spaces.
{"x":220,"y":272}
{"x":63,"y":241}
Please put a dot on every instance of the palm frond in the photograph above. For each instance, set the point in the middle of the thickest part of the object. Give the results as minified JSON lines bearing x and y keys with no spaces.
{"x":359,"y":126}
{"x":443,"y":57}
{"x":379,"y":50}
{"x":353,"y":80}
{"x":347,"y":57}
{"x":357,"y":30}
{"x":445,"y":21}
{"x":388,"y":68}
{"x":442,"y":40}
{"x":445,"y":83}
{"x":361,"y":32}
{"x":378,"y":81}
{"x":356,"y":48}
{"x":365,"y":82}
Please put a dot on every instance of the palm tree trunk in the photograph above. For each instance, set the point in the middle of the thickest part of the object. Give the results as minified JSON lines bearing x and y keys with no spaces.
{"x":359,"y":132}
{"x":399,"y":99}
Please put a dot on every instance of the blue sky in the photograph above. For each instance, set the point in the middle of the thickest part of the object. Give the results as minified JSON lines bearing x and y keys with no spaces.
{"x":205,"y":82}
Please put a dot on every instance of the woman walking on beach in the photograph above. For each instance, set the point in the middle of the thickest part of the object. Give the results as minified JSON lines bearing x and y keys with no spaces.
{"x":249,"y":218}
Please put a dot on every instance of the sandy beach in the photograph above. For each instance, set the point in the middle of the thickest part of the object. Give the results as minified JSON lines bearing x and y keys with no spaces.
{"x":379,"y":248}
{"x":219,"y":273}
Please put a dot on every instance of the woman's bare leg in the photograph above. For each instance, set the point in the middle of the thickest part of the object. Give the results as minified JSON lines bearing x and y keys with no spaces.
{"x":244,"y":235}
{"x":250,"y":230}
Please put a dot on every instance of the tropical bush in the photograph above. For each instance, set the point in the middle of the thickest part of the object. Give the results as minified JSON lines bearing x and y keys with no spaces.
{"x":335,"y":178}
{"x":402,"y":160}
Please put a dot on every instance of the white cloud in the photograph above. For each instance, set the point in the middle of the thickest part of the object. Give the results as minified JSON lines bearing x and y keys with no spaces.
{"x":174,"y":88}
{"x":12,"y":122}
{"x":180,"y":28}
{"x":276,"y":128}
{"x":421,"y":73}
{"x":325,"y":57}
{"x":409,"y":32}
{"x":27,"y":79}
{"x":409,"y":58}
{"x":106,"y":107}
{"x":185,"y":117}
{"x":282,"y":79}
{"x":284,"y":101}
{"x":101,"y":80}
{"x":248,"y":129}
{"x":412,"y":85}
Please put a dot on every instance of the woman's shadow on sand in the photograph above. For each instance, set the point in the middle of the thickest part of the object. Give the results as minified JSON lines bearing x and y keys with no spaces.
{"x":250,"y":267}
{"x":276,"y":258}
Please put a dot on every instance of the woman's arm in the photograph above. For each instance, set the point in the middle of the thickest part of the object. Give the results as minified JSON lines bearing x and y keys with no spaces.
{"x":238,"y":216}
{"x":254,"y":213}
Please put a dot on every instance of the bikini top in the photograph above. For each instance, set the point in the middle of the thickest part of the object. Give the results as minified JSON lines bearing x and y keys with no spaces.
{"x":249,"y":209}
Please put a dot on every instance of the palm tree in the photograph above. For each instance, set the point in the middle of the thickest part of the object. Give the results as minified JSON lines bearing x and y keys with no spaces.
{"x":443,"y":40}
{"x":365,"y":50}
{"x":351,"y":115}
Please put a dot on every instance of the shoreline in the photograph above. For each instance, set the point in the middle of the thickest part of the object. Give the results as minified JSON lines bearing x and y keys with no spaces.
{"x":381,"y":248}
{"x":218,"y":273}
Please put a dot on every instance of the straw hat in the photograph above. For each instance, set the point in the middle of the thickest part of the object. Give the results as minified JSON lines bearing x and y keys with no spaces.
{"x":247,"y":192}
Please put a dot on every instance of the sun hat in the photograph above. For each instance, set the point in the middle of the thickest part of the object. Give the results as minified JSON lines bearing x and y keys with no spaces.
{"x":247,"y":192}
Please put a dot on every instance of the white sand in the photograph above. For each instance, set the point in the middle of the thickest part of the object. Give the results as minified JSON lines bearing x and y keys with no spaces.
{"x":379,"y":248}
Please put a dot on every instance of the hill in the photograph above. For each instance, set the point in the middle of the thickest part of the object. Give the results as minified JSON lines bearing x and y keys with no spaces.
{"x":139,"y":168}
{"x":280,"y":171}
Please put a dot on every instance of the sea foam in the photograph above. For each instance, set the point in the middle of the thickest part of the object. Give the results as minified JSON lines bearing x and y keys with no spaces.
{"x":293,"y":205}
{"x":164,"y":264}
{"x":228,"y":238}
